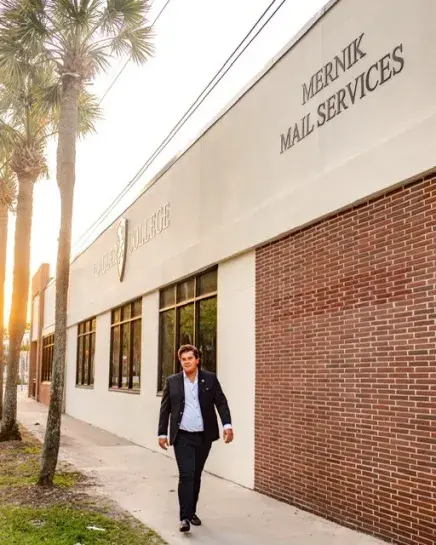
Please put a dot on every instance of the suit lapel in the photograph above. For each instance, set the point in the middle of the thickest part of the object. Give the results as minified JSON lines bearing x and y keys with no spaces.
{"x":201,"y":382}
{"x":181,"y":386}
{"x":201,"y":387}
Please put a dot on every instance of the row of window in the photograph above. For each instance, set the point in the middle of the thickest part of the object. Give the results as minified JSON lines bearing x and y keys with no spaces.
{"x":47,"y":358}
{"x":187,"y":315}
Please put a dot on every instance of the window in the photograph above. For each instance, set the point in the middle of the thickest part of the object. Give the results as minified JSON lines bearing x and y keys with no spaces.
{"x":125,"y":366}
{"x":188,"y":315}
{"x":47,"y":358}
{"x":85,"y":352}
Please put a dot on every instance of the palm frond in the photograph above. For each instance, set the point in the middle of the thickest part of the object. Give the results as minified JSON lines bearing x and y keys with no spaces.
{"x":120,"y":14}
{"x":89,"y":112}
{"x":23,"y":24}
{"x":50,"y":98}
{"x":76,"y":14}
{"x":135,"y":42}
{"x":8,"y":186}
{"x":9,"y":136}
{"x":141,"y":45}
{"x":98,"y":58}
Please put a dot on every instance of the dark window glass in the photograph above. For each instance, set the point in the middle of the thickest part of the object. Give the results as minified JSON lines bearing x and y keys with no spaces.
{"x":115,"y":374}
{"x":136,"y":339}
{"x":207,"y":283}
{"x":86,"y":352}
{"x":137,"y":308}
{"x":125,"y":362}
{"x":79,"y":379}
{"x":168,"y":297}
{"x":186,"y":328}
{"x":191,"y":320}
{"x":125,"y":355}
{"x":207,"y":326}
{"x":92,"y":365}
{"x":185,"y":290}
{"x":116,"y":316}
{"x":167,"y":343}
{"x":86,"y":360}
{"x":47,"y":358}
{"x":126,"y":312}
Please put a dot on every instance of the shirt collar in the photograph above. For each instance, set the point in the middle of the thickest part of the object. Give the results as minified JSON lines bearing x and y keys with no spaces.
{"x":185,"y":376}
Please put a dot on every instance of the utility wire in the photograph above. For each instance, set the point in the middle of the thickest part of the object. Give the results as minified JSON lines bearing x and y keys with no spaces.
{"x":128,"y":60}
{"x":186,"y":116}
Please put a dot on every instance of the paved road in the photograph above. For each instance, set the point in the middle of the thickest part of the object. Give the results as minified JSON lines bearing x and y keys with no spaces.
{"x":144,"y":483}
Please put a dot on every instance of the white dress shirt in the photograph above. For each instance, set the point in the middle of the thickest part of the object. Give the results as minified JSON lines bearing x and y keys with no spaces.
{"x":192,"y":419}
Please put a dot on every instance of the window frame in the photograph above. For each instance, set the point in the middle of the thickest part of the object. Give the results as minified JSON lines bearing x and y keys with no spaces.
{"x":176,"y":307}
{"x":119,"y":324}
{"x":47,"y":366}
{"x":81,"y":337}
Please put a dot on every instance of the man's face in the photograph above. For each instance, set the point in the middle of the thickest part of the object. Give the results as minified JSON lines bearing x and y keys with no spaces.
{"x":189,"y":362}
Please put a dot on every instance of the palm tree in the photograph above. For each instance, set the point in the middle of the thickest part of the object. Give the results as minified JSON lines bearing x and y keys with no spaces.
{"x":78,"y":38}
{"x":24,"y":128}
{"x":7,"y":199}
{"x":29,"y":116}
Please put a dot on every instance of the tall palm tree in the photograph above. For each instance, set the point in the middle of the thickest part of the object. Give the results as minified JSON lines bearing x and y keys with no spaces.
{"x":24,"y":128}
{"x":29,"y":116}
{"x":77,"y":37}
{"x":7,"y":198}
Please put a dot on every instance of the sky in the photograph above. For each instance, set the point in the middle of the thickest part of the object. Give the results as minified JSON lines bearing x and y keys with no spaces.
{"x":193,"y":38}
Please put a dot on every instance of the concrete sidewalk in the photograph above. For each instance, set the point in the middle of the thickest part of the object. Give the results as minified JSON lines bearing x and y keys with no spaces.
{"x":144,"y":483}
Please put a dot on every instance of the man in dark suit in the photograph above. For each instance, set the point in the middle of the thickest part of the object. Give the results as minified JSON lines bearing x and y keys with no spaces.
{"x":188,"y":405}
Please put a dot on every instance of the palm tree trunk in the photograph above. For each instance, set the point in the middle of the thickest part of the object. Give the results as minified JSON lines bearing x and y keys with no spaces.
{"x":66,"y":176}
{"x":3,"y":245}
{"x":20,"y":295}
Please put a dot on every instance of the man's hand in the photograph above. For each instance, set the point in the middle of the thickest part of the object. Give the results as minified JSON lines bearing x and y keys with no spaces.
{"x":163,"y":443}
{"x":228,"y":436}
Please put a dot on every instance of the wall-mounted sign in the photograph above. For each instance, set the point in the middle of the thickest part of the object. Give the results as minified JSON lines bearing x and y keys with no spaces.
{"x":370,"y":79}
{"x":127,"y":242}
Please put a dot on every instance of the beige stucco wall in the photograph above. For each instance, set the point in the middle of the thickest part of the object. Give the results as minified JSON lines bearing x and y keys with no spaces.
{"x":135,"y":417}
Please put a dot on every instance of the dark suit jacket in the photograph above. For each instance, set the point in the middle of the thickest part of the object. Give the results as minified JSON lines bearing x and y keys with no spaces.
{"x":210,"y":396}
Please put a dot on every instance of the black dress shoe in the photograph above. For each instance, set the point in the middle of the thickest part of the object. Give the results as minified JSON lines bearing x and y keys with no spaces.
{"x":195,"y":521}
{"x":185,"y":526}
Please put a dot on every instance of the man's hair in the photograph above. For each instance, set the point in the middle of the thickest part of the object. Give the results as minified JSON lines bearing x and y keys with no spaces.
{"x":188,"y":348}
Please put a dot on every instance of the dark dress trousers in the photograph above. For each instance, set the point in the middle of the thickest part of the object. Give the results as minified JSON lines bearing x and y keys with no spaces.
{"x":192,"y":449}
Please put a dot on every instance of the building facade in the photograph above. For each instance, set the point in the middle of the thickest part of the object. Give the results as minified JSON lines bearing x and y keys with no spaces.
{"x":295,"y":243}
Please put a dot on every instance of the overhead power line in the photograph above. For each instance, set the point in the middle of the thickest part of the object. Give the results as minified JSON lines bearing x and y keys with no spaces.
{"x":128,"y":60}
{"x":186,"y":116}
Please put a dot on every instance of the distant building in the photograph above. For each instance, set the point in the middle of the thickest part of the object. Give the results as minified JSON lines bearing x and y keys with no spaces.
{"x":23,"y":366}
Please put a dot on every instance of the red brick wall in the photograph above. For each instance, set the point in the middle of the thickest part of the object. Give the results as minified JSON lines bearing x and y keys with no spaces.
{"x":346,"y":367}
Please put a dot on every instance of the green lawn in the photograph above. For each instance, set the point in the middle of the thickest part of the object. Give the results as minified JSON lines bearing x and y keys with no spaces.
{"x":67,"y":526}
{"x":63,"y":515}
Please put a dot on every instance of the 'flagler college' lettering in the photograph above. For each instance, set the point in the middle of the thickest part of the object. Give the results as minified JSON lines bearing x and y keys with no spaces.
{"x":377,"y":74}
{"x":143,"y":233}
{"x":149,"y":229}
